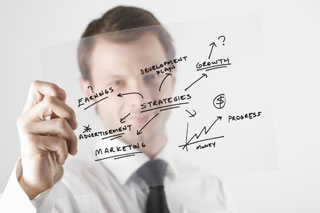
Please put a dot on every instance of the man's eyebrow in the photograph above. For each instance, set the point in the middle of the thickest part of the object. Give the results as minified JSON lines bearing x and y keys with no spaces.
{"x":116,"y":76}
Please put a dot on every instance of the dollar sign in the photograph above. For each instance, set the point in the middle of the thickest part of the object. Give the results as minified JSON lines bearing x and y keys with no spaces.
{"x":219,"y":101}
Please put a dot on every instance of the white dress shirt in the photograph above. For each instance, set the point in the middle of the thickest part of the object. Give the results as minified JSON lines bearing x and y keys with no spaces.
{"x":113,"y":186}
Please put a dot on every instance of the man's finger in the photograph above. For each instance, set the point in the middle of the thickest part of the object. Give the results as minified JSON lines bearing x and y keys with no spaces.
{"x":39,"y":89}
{"x":50,"y":144}
{"x":52,"y":106}
{"x":55,"y":127}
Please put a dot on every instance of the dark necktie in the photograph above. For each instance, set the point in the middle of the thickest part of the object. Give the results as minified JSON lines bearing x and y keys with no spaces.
{"x":153,"y":173}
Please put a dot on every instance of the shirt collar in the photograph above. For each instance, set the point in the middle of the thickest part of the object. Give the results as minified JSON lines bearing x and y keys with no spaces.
{"x":123,"y":168}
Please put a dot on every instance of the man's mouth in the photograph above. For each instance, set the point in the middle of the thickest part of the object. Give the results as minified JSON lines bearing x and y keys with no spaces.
{"x":139,"y":120}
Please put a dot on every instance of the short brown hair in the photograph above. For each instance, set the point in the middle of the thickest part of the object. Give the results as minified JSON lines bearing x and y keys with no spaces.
{"x":117,"y":19}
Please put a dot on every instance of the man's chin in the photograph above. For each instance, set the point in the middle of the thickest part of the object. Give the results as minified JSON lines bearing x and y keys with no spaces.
{"x":140,"y":120}
{"x":132,"y":138}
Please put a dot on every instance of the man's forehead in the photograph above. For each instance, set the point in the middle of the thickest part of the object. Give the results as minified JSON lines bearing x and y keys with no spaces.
{"x":147,"y":41}
{"x":135,"y":54}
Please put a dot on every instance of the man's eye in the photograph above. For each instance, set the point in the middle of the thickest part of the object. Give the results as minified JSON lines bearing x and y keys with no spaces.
{"x":117,"y":83}
{"x":150,"y":77}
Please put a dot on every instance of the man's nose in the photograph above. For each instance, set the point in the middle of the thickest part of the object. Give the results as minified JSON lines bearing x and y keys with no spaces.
{"x":139,"y":95}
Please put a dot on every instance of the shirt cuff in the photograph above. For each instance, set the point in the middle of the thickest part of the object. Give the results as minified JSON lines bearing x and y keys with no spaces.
{"x":14,"y":199}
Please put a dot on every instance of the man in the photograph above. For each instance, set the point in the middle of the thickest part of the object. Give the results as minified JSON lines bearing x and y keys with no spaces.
{"x":152,"y":181}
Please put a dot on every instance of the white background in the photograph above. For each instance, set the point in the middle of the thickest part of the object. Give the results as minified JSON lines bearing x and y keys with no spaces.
{"x":291,"y":32}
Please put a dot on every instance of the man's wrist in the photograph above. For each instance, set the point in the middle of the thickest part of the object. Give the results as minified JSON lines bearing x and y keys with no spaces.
{"x":32,"y":192}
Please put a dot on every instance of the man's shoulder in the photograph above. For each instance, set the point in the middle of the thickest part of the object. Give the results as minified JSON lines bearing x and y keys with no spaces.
{"x":209,"y":188}
{"x":190,"y":171}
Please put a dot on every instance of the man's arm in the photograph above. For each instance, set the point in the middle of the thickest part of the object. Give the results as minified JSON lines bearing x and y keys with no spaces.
{"x":14,"y":199}
{"x":45,"y":144}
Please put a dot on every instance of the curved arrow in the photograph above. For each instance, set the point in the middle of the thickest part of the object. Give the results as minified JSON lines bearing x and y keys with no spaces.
{"x":122,"y":94}
{"x":190,"y":114}
{"x":167,"y":74}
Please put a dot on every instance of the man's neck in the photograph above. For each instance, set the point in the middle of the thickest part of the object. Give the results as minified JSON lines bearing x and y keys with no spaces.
{"x":155,"y":144}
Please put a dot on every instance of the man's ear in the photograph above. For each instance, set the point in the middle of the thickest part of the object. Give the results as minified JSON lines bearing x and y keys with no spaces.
{"x":85,"y":86}
{"x":174,"y":76}
{"x":87,"y":89}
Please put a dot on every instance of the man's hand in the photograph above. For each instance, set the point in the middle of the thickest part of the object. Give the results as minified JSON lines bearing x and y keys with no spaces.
{"x":45,"y":143}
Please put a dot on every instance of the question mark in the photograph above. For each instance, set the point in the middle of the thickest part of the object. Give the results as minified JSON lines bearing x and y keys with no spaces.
{"x":224,"y":39}
{"x":91,"y":88}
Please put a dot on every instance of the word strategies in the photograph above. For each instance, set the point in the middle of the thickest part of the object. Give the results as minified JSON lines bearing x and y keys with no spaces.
{"x":165,"y":103}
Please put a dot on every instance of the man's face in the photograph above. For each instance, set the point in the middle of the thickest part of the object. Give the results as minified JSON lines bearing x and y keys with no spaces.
{"x":118,"y":65}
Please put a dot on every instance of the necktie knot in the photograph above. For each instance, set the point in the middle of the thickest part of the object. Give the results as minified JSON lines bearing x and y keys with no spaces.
{"x":153,"y":172}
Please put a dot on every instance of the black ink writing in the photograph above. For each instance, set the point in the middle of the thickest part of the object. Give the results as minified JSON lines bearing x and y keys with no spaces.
{"x":87,"y":129}
{"x":190,"y":114}
{"x":104,"y":133}
{"x":122,"y":119}
{"x":120,"y":151}
{"x":250,"y":116}
{"x":202,"y":146}
{"x":102,"y":93}
{"x":219,"y":101}
{"x":216,"y":64}
{"x":197,"y":136}
{"x":167,"y":74}
{"x":164,"y":103}
{"x":202,"y":75}
{"x":140,"y":131}
{"x":129,"y":93}
{"x":164,"y":67}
